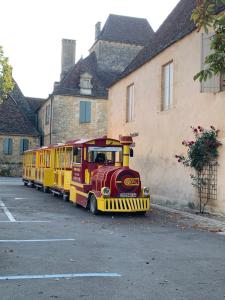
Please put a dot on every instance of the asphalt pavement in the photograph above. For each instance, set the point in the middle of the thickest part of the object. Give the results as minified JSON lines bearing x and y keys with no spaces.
{"x":50,"y":249}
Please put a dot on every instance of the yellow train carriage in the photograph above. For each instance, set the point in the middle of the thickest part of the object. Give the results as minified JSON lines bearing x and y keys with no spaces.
{"x":92,"y":173}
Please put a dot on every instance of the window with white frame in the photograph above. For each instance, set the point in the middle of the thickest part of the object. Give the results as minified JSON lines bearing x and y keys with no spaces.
{"x":130,"y":104}
{"x":167,"y":86}
{"x":216,"y":83}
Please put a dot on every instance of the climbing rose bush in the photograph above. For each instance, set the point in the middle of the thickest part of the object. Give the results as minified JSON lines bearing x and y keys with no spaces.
{"x":202,"y":150}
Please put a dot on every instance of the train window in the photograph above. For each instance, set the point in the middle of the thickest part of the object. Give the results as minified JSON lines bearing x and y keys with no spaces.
{"x":105,"y":154}
{"x":77,"y":155}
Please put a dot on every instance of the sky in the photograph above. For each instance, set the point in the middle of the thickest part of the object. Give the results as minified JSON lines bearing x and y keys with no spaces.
{"x":31,"y":32}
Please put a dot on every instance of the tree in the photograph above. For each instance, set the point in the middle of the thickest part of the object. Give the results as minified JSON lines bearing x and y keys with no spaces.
{"x":205,"y":16}
{"x":6,"y":80}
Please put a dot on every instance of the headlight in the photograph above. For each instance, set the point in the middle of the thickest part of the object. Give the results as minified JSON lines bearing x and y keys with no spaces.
{"x":146,"y":191}
{"x":105,"y":191}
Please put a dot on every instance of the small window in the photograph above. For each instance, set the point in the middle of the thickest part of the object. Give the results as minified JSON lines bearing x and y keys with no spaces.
{"x":130,"y":103}
{"x":85,"y":112}
{"x":47,"y":114}
{"x":7,"y":146}
{"x":85,"y":84}
{"x":24,"y":145}
{"x":167,"y":86}
{"x":77,"y":155}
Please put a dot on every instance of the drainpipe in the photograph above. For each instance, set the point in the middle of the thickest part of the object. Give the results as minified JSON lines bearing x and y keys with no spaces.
{"x":50,"y":138}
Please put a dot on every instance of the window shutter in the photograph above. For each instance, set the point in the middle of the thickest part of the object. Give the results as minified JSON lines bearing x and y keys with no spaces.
{"x":211,"y":85}
{"x":88,"y":112}
{"x":21,"y":146}
{"x":5,"y":146}
{"x":25,"y":144}
{"x":82,"y":111}
{"x":222,"y":82}
{"x":9,"y":146}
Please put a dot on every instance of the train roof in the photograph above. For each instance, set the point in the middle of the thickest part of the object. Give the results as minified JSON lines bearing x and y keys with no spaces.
{"x":78,"y":142}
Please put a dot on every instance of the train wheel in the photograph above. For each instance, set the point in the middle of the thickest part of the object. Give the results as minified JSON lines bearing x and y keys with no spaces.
{"x":93,"y":205}
{"x":65,"y":197}
{"x":45,"y":189}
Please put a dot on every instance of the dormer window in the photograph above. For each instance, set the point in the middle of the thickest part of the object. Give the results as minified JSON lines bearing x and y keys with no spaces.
{"x":85,"y":84}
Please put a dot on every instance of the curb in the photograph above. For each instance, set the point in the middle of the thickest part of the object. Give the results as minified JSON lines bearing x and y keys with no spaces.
{"x":202,"y":222}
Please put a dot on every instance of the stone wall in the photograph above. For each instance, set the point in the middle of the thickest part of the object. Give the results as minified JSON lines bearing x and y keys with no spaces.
{"x":43,"y":127}
{"x":11,"y":165}
{"x":66,"y":119}
{"x":114,"y":56}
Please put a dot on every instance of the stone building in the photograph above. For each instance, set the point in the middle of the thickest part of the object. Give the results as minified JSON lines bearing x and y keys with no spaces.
{"x":157,"y":100}
{"x":77,"y":106}
{"x":18,"y":132}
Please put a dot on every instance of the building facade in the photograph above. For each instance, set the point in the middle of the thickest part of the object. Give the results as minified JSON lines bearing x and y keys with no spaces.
{"x":17,"y":131}
{"x":77,"y":106}
{"x":156,"y":100}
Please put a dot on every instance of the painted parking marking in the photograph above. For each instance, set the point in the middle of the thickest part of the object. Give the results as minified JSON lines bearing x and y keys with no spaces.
{"x":34,"y":241}
{"x":7,"y":212}
{"x":25,"y":221}
{"x":221,"y":233}
{"x":49,"y":276}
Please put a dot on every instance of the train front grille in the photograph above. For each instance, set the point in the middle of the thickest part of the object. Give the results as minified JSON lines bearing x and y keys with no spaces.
{"x":127,"y":204}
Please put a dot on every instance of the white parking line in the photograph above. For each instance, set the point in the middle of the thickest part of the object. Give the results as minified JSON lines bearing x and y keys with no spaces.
{"x":25,"y":222}
{"x":34,"y":241}
{"x":47,"y":276}
{"x":221,"y":233}
{"x":7,"y":212}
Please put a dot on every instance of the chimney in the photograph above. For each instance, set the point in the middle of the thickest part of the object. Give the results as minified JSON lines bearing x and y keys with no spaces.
{"x":97,"y":30}
{"x":67,"y":55}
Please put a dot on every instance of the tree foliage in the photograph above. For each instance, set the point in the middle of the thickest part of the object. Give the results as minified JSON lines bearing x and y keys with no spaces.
{"x":205,"y":16}
{"x":6,"y":80}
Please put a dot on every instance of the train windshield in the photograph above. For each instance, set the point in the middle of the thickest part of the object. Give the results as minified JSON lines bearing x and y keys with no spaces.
{"x":105,"y":154}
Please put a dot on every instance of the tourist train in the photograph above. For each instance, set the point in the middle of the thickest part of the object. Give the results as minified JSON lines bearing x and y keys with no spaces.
{"x":93,"y":173}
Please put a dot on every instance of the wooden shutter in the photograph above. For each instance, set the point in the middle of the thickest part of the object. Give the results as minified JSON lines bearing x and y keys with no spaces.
{"x":211,"y":85}
{"x":82,"y":112}
{"x":21,"y":146}
{"x":5,"y":146}
{"x":10,"y":146}
{"x":25,"y":144}
{"x":222,"y":84}
{"x":88,"y":112}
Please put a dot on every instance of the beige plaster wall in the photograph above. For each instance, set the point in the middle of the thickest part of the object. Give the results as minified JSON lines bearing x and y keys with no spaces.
{"x":161,"y":132}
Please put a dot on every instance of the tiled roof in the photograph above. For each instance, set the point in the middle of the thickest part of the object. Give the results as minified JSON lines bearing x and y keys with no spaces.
{"x":69,"y":85}
{"x":176,"y":26}
{"x":126,"y":29}
{"x":35,"y":103}
{"x":13,"y":118}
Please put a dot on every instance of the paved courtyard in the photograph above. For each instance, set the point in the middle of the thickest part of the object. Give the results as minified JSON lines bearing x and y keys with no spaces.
{"x":50,"y":249}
